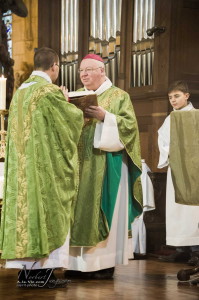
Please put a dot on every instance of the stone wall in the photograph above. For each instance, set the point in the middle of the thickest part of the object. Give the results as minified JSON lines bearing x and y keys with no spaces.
{"x":25,"y":40}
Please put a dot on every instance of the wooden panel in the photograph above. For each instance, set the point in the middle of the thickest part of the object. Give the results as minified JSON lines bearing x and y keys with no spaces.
{"x":126,"y":14}
{"x":49,"y":24}
{"x":162,"y":44}
{"x":84,"y":32}
{"x":162,"y":47}
{"x":144,"y":140}
{"x":84,"y":28}
{"x":155,"y":219}
{"x":185,"y":43}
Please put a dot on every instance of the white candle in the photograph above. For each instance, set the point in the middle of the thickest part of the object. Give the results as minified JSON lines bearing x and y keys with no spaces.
{"x":2,"y":93}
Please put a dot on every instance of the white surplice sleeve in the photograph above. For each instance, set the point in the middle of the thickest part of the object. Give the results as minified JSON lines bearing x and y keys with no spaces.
{"x":138,"y":226}
{"x":164,"y":143}
{"x":106,"y":134}
{"x":147,"y":188}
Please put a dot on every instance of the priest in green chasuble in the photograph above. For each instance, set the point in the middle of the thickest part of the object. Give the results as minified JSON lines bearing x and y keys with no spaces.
{"x":110,"y":193}
{"x":41,"y":167}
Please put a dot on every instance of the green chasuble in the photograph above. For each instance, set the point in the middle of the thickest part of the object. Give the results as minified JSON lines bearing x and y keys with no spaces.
{"x":41,"y":171}
{"x":184,"y":158}
{"x":100,"y":173}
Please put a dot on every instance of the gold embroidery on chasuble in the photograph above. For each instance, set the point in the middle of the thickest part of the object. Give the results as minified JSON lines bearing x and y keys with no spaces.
{"x":106,"y":102}
{"x":20,"y":125}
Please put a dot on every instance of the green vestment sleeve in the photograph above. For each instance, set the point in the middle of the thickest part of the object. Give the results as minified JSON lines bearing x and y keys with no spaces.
{"x":41,"y":171}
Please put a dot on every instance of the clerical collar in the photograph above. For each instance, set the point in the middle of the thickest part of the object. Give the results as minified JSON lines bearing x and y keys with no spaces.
{"x":103,"y":87}
{"x":42,"y":74}
{"x":188,"y":107}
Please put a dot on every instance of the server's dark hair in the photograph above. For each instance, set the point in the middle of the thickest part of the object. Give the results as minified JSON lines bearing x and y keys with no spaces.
{"x":178,"y":85}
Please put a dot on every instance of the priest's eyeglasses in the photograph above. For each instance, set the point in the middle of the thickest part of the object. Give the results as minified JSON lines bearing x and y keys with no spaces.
{"x":88,"y":70}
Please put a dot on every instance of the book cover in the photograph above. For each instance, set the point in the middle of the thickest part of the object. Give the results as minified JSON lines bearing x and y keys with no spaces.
{"x":83,"y":102}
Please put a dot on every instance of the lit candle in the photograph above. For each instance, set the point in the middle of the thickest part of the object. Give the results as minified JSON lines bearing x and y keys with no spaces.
{"x":2,"y":93}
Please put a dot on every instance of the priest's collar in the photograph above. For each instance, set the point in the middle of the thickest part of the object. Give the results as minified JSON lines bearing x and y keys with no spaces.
{"x":103,"y":87}
{"x":42,"y":74}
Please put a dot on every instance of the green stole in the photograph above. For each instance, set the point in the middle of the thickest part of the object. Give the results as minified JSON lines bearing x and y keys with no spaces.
{"x":111,"y":184}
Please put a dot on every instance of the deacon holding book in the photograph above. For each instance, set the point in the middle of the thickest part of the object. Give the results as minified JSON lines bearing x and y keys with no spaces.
{"x":109,"y":196}
{"x":41,"y":170}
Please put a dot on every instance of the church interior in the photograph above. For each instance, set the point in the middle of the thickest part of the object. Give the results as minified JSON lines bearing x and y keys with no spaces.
{"x":145,"y":45}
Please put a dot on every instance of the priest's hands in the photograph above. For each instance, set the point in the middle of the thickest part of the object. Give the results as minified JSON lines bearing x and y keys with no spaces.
{"x":96,"y":112}
{"x":65,"y":91}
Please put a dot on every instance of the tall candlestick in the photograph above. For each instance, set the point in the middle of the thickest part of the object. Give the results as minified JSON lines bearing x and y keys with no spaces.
{"x":2,"y":93}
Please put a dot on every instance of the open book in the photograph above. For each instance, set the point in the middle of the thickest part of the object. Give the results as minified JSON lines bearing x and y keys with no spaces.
{"x":83,"y":99}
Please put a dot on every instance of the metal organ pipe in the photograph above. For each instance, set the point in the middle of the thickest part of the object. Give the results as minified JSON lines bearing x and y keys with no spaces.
{"x":105,"y":22}
{"x":142,"y":46}
{"x":118,"y":15}
{"x":76,"y":6}
{"x":69,"y":42}
{"x":93,"y":19}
